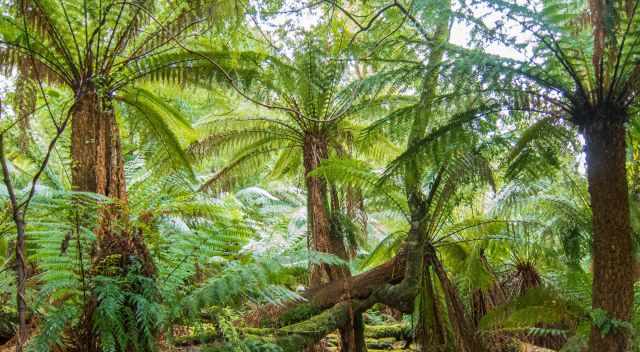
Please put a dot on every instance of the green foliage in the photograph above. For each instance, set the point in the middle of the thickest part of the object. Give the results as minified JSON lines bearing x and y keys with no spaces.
{"x":128,"y":312}
{"x":536,"y":306}
{"x":606,"y":324}
{"x":476,"y":153}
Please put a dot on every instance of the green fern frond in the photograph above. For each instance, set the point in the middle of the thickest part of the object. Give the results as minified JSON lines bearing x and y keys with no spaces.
{"x":165,"y":127}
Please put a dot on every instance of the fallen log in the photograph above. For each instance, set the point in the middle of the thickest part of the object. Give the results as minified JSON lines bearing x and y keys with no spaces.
{"x":295,"y":337}
{"x":316,"y":300}
{"x":332,"y":306}
{"x":397,"y":331}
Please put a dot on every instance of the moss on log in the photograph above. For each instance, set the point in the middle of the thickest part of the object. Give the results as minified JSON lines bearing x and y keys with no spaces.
{"x":332,"y":306}
{"x":397,"y":331}
{"x":357,"y":287}
{"x":385,"y":343}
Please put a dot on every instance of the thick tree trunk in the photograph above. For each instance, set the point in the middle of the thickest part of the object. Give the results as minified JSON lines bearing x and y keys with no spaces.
{"x":352,"y":337}
{"x":96,"y":153}
{"x":612,"y":242}
{"x":322,"y":238}
{"x":98,"y":167}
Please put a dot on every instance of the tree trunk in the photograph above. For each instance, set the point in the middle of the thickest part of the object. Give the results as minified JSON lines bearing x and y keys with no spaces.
{"x":323,"y":238}
{"x":98,"y":167}
{"x":352,"y":337}
{"x":21,"y":283}
{"x":612,"y":242}
{"x":96,"y":153}
{"x":25,"y":102}
{"x":26,"y":105}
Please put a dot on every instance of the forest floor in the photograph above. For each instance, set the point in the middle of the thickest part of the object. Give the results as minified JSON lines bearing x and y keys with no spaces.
{"x":393,"y":347}
{"x":330,"y":343}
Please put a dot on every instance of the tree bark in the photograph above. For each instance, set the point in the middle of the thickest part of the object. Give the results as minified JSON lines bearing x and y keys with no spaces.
{"x":98,"y":167}
{"x":352,"y":335}
{"x":612,"y":242}
{"x":96,"y":153}
{"x":323,"y":238}
{"x":25,"y":102}
{"x":315,"y":149}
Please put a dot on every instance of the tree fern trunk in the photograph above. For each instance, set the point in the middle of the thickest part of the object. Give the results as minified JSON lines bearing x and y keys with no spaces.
{"x":98,"y":167}
{"x":95,"y":149}
{"x":612,"y":243}
{"x":323,"y":238}
{"x":352,"y":334}
{"x":25,"y":102}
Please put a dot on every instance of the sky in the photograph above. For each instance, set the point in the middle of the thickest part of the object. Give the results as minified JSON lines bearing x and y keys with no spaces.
{"x":460,"y":31}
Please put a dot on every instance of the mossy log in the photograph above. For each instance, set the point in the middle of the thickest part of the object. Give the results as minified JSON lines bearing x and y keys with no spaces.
{"x":357,"y":287}
{"x":332,"y":306}
{"x":397,"y":331}
{"x":386,"y":343}
{"x":295,"y":337}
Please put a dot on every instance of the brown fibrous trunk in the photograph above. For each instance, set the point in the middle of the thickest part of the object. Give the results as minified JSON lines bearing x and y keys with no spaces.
{"x":315,"y":149}
{"x":612,"y":242}
{"x":323,"y":237}
{"x":98,"y":167}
